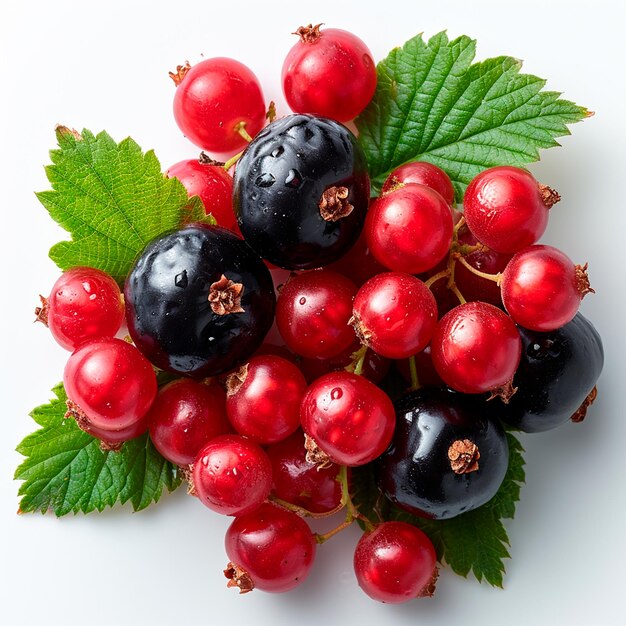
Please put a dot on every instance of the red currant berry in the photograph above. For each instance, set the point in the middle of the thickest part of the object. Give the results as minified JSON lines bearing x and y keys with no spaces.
{"x":542,"y":288}
{"x":185,"y":416}
{"x":312,"y":313}
{"x":271,"y":549}
{"x":396,"y":562}
{"x":212,"y":184}
{"x":348,"y":418}
{"x":85,"y":303}
{"x":506,"y":208}
{"x":329,"y":73}
{"x":263,"y":399}
{"x":409,"y":229}
{"x":232,"y":475}
{"x":422,"y":173}
{"x":375,"y":367}
{"x":395,"y":314}
{"x":110,"y":382}
{"x":301,"y":483}
{"x":476,"y":348}
{"x":212,"y":100}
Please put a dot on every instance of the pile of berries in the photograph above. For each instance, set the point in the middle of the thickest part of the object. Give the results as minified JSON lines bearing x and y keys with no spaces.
{"x":478,"y":321}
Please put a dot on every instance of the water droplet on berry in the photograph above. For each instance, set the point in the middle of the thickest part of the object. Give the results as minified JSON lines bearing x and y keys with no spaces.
{"x":180,"y":280}
{"x":302,"y":301}
{"x":265,"y":180}
{"x":336,"y":393}
{"x":294,"y":179}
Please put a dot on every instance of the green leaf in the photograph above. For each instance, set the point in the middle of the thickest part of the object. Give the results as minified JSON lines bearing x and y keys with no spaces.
{"x":66,"y":471}
{"x":431,"y":104}
{"x":113,"y":199}
{"x":474,"y":542}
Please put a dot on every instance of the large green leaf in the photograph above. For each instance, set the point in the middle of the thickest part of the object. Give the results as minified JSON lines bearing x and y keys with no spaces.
{"x":432,"y":104}
{"x":113,"y":199}
{"x":66,"y":471}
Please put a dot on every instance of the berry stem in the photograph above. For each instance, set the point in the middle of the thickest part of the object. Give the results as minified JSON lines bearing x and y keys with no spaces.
{"x":346,"y":500}
{"x":323,"y":537}
{"x":352,"y":512}
{"x":467,"y":249}
{"x":457,"y":228}
{"x":496,"y":278}
{"x":438,"y":276}
{"x":358,"y":359}
{"x":301,"y":511}
{"x":241,"y":129}
{"x":455,"y":290}
{"x":232,"y":161}
{"x":415,"y":383}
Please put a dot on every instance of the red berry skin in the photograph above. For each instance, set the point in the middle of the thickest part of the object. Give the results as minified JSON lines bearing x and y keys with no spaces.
{"x":395,"y":563}
{"x":504,"y":208}
{"x":111,"y":382}
{"x":185,"y":416}
{"x":215,"y":96}
{"x":232,"y":475}
{"x":476,"y":348}
{"x":410,"y":229}
{"x":541,"y":288}
{"x":299,"y":482}
{"x":312,"y":313}
{"x":112,"y":438}
{"x":265,"y":407}
{"x":274,"y":547}
{"x":358,"y":264}
{"x":329,"y":73}
{"x":213,"y":185}
{"x":348,"y":417}
{"x":422,"y":173}
{"x":85,"y":303}
{"x":396,"y":314}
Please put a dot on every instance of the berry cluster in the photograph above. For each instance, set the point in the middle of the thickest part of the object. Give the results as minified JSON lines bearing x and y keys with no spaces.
{"x":479,"y":321}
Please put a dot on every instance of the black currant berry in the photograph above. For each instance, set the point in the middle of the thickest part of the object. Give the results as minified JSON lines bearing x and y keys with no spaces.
{"x":446,"y":457}
{"x":556,"y":377}
{"x":301,"y":191}
{"x":198,"y":301}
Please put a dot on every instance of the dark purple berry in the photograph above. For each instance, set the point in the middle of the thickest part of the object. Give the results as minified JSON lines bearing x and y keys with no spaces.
{"x":199,"y":301}
{"x":301,"y":191}
{"x":446,"y":457}
{"x":556,"y":377}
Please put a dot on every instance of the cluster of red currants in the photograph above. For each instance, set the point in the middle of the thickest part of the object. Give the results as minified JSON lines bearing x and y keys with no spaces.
{"x":410,"y":284}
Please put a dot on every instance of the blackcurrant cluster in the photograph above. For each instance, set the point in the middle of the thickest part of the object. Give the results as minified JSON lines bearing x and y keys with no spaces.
{"x":478,"y":321}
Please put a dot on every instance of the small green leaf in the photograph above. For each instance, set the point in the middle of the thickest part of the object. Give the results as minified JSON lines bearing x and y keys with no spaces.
{"x":431,"y":104}
{"x":474,"y":542}
{"x":66,"y":471}
{"x":113,"y":199}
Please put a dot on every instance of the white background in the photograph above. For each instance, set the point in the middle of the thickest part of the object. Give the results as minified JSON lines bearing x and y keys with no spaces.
{"x":104,"y":66}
